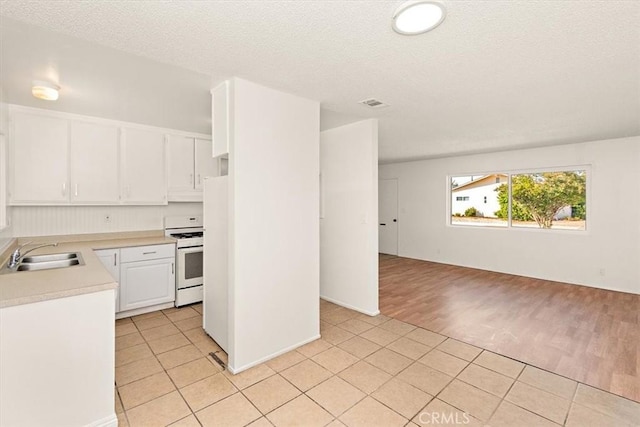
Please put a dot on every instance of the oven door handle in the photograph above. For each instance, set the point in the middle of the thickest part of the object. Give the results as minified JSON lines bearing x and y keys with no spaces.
{"x":191,"y":250}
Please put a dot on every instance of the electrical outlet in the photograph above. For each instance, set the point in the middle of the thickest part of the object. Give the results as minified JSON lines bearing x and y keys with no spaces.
{"x":107,"y":218}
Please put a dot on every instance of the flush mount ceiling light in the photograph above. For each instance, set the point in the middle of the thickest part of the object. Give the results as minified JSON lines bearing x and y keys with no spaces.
{"x":417,"y":17}
{"x":45,"y":90}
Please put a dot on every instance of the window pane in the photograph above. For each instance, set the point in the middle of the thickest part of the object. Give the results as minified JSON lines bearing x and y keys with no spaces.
{"x":549,"y":200}
{"x":475,"y":200}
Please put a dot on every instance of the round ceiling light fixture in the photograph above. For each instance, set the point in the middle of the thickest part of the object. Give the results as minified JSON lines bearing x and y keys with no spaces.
{"x":45,"y":90}
{"x":417,"y":17}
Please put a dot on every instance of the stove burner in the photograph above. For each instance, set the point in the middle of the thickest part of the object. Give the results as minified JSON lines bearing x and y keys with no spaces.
{"x":188,"y":235}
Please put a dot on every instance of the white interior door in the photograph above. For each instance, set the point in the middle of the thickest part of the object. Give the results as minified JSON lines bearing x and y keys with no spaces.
{"x":388,"y":216}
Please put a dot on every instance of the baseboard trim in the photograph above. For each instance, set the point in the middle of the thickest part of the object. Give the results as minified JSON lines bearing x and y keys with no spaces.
{"x":144,"y":310}
{"x":350,"y":307}
{"x":271,"y":356}
{"x":110,"y":421}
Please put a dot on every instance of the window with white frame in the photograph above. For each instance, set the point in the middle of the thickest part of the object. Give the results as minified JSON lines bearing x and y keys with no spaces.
{"x":553,"y":199}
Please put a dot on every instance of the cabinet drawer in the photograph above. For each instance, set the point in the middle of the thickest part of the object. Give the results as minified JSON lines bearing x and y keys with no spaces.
{"x":142,"y":253}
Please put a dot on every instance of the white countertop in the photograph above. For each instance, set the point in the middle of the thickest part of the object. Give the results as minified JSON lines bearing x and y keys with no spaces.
{"x":34,"y":286}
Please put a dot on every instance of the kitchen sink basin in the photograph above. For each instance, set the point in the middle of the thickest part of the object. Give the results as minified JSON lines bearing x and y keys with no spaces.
{"x":51,"y":257}
{"x":47,"y":265}
{"x":46,"y":262}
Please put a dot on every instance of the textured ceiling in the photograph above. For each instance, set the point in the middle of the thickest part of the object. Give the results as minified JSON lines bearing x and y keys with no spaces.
{"x":495,"y":75}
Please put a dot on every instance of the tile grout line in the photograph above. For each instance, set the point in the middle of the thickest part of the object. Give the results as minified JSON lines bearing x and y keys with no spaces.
{"x":392,"y":376}
{"x":520,"y":361}
{"x":573,"y":402}
{"x":176,"y":388}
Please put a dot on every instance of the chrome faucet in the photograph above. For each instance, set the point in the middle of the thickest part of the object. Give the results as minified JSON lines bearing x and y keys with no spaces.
{"x":16,"y":256}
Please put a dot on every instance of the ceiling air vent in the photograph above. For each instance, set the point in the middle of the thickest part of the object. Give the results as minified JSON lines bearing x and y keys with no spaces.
{"x":373,"y":103}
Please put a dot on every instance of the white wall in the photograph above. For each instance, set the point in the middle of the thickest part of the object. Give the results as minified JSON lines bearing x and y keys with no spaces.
{"x":56,"y":220}
{"x":274,"y":225}
{"x":607,"y":255}
{"x":349,"y":216}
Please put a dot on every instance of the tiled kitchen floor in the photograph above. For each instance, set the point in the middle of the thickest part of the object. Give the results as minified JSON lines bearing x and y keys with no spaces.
{"x":365,"y":371}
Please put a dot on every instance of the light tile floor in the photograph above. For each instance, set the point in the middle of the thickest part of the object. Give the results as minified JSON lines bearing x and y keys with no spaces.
{"x":365,"y":371}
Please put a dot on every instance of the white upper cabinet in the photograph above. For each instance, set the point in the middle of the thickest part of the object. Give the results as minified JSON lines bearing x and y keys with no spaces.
{"x":221,"y":118}
{"x":206,"y":165}
{"x":143,"y":171}
{"x":94,"y":163}
{"x":66,"y":159}
{"x":39,"y":166}
{"x":180,"y":164}
{"x":189,"y":162}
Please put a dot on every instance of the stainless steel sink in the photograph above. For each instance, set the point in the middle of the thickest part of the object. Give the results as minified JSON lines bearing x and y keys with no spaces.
{"x":51,"y":257}
{"x":46,"y":262}
{"x":48,"y":265}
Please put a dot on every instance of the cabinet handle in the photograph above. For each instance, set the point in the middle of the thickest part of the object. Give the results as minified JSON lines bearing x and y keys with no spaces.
{"x":115,"y":259}
{"x":172,"y":269}
{"x":190,"y":178}
{"x":199,"y":180}
{"x":148,"y":253}
{"x":76,"y":190}
{"x":64,"y":188}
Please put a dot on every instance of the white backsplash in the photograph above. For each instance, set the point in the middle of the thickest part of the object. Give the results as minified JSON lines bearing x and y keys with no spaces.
{"x":57,"y":220}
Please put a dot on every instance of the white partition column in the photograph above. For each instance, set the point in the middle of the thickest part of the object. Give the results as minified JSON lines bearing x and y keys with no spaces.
{"x":349,"y":216}
{"x":273,"y":259}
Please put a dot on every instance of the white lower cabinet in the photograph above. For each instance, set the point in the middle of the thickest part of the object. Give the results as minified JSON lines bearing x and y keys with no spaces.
{"x":147,"y":283}
{"x":109,"y":258}
{"x":146,"y":274}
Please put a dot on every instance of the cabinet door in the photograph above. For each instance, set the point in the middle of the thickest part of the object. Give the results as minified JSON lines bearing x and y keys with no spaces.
{"x":94,"y":163}
{"x":109,"y":258}
{"x":40,"y":152}
{"x":206,"y":165}
{"x":180,"y":164}
{"x":221,"y":118}
{"x":146,"y":283}
{"x":144,"y":180}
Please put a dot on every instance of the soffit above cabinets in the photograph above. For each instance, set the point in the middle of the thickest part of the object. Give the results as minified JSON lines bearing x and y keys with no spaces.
{"x":493,"y":76}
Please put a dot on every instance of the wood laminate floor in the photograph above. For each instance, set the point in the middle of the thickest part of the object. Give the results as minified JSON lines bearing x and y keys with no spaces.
{"x":586,"y":334}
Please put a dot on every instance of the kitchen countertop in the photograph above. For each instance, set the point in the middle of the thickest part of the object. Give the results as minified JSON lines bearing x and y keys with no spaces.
{"x":34,"y":286}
